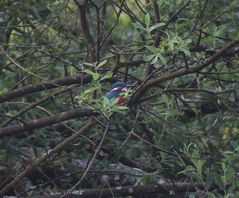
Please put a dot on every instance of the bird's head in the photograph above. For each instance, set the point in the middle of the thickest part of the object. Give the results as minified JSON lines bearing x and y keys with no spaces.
{"x":116,"y":89}
{"x":118,"y":86}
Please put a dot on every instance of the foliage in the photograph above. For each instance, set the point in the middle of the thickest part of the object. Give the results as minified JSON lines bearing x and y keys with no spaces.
{"x":179,"y":122}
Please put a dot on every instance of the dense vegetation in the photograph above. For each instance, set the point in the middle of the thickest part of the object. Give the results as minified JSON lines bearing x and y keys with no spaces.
{"x":178,"y":132}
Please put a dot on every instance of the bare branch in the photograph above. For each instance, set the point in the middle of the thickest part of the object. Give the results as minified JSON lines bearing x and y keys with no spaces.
{"x":42,"y":122}
{"x":22,"y":91}
{"x":137,"y":191}
{"x":156,"y":20}
{"x":86,"y":31}
{"x":32,"y":105}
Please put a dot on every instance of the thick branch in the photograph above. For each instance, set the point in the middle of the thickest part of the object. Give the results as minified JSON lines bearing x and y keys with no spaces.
{"x":86,"y":31}
{"x":180,"y":72}
{"x":22,"y":91}
{"x":42,"y":122}
{"x":156,"y":20}
{"x":136,"y":191}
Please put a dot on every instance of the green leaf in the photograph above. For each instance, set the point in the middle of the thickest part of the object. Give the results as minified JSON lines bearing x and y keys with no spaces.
{"x":152,"y":49}
{"x":186,"y":51}
{"x":187,"y":169}
{"x":162,"y":59}
{"x":90,"y":90}
{"x":199,"y":165}
{"x":94,"y":75}
{"x":166,"y":99}
{"x":155,"y":59}
{"x":156,"y":26}
{"x":101,"y":63}
{"x":229,"y":174}
{"x":148,"y":58}
{"x":107,"y":75}
{"x":147,"y":20}
{"x":146,"y":179}
{"x":210,"y":179}
{"x":89,"y":64}
{"x":122,"y":107}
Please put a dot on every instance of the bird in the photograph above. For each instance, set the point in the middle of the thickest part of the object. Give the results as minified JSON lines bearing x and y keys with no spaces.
{"x":115,"y":92}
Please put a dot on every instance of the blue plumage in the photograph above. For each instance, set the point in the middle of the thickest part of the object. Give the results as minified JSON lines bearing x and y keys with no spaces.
{"x":118,"y":84}
{"x":115,"y":90}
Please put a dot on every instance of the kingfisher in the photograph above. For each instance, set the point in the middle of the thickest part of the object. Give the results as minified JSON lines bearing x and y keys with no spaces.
{"x":116,"y":90}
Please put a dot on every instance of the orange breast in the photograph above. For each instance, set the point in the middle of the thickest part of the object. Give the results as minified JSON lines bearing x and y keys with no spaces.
{"x":120,"y":100}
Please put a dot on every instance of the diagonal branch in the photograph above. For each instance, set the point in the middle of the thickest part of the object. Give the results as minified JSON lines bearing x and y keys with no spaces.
{"x":34,"y":104}
{"x":180,"y":72}
{"x":91,"y":122}
{"x":92,"y":160}
{"x":42,"y":122}
{"x":175,"y":14}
